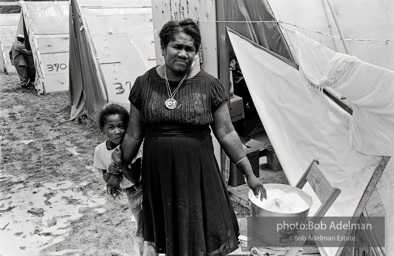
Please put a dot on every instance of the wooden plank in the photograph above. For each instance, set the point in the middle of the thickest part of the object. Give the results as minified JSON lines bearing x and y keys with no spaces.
{"x":310,"y":250}
{"x":380,"y":204}
{"x":301,"y":183}
{"x":319,"y":183}
{"x":363,"y":201}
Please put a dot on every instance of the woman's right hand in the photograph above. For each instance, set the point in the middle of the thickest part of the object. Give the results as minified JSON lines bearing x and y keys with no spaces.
{"x":257,"y":187}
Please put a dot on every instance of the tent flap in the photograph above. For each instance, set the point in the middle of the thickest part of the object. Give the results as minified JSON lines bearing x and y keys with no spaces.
{"x":303,"y":124}
{"x":110,"y":46}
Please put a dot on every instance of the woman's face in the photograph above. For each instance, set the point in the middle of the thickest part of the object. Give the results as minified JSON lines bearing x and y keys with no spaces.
{"x":179,"y":54}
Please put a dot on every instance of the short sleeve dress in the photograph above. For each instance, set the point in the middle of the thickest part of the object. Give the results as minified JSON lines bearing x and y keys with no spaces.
{"x":186,"y":207}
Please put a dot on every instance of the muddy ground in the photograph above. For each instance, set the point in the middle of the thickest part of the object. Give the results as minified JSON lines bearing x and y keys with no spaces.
{"x":52,"y":201}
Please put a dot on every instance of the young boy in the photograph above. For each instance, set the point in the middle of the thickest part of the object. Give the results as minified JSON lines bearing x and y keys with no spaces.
{"x":113,"y":120}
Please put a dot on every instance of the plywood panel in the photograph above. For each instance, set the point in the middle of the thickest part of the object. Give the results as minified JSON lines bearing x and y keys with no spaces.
{"x":54,"y":83}
{"x":118,"y":83}
{"x":55,"y":69}
{"x":53,"y":44}
{"x":8,"y":28}
{"x":203,"y":12}
{"x":122,"y":41}
{"x":48,"y":28}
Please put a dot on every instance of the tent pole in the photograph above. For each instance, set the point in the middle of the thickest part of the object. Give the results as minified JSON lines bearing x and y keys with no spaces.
{"x":337,"y":25}
{"x":223,"y":45}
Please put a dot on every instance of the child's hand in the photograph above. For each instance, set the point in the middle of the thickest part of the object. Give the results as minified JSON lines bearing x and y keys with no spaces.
{"x":106,"y":176}
{"x":117,"y":156}
{"x":113,"y":186}
{"x":113,"y":169}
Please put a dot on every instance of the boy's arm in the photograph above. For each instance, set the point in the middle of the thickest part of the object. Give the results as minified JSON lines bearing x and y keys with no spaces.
{"x":113,"y":185}
{"x":99,"y":165}
{"x":112,"y":180}
{"x":106,"y":175}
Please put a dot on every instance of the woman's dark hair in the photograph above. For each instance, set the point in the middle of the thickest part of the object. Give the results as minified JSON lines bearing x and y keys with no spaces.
{"x":173,"y":27}
{"x":112,"y":109}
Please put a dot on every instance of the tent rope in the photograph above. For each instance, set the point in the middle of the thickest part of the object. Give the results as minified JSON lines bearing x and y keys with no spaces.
{"x":297,"y":26}
{"x":386,"y":41}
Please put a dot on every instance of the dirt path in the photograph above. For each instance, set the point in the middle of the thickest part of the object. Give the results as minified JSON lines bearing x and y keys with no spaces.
{"x":51,"y":200}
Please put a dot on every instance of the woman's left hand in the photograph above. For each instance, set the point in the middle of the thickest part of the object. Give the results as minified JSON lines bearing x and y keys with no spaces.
{"x":257,"y":187}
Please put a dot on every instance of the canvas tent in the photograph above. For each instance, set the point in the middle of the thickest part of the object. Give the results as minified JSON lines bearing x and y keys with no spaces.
{"x":296,"y":116}
{"x":45,"y":26}
{"x":302,"y":123}
{"x":360,"y":28}
{"x":8,"y":27}
{"x":111,"y":44}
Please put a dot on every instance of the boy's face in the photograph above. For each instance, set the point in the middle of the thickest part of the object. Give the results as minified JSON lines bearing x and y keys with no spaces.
{"x":114,"y":128}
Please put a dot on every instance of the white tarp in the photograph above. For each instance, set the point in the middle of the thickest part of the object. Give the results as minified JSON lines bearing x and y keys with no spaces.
{"x":369,"y":88}
{"x":303,"y":124}
{"x":8,"y":27}
{"x":47,"y":28}
{"x":123,"y":40}
{"x":112,"y":43}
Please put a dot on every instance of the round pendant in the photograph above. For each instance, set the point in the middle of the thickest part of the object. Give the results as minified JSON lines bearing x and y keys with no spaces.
{"x":170,"y":103}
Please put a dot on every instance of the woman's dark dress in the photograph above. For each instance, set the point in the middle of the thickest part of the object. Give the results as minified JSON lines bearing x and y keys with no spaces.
{"x":186,"y":207}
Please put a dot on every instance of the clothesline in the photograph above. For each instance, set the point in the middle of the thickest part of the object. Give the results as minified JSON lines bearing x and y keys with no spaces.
{"x":386,"y":41}
{"x":294,"y":25}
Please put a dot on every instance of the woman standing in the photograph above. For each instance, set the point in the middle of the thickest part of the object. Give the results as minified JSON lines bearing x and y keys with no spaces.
{"x":186,"y":207}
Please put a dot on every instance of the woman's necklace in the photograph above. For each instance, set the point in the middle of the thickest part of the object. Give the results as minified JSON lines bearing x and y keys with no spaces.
{"x":171,"y":102}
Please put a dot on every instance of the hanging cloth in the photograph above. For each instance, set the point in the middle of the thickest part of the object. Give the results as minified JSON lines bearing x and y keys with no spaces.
{"x":369,"y":88}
